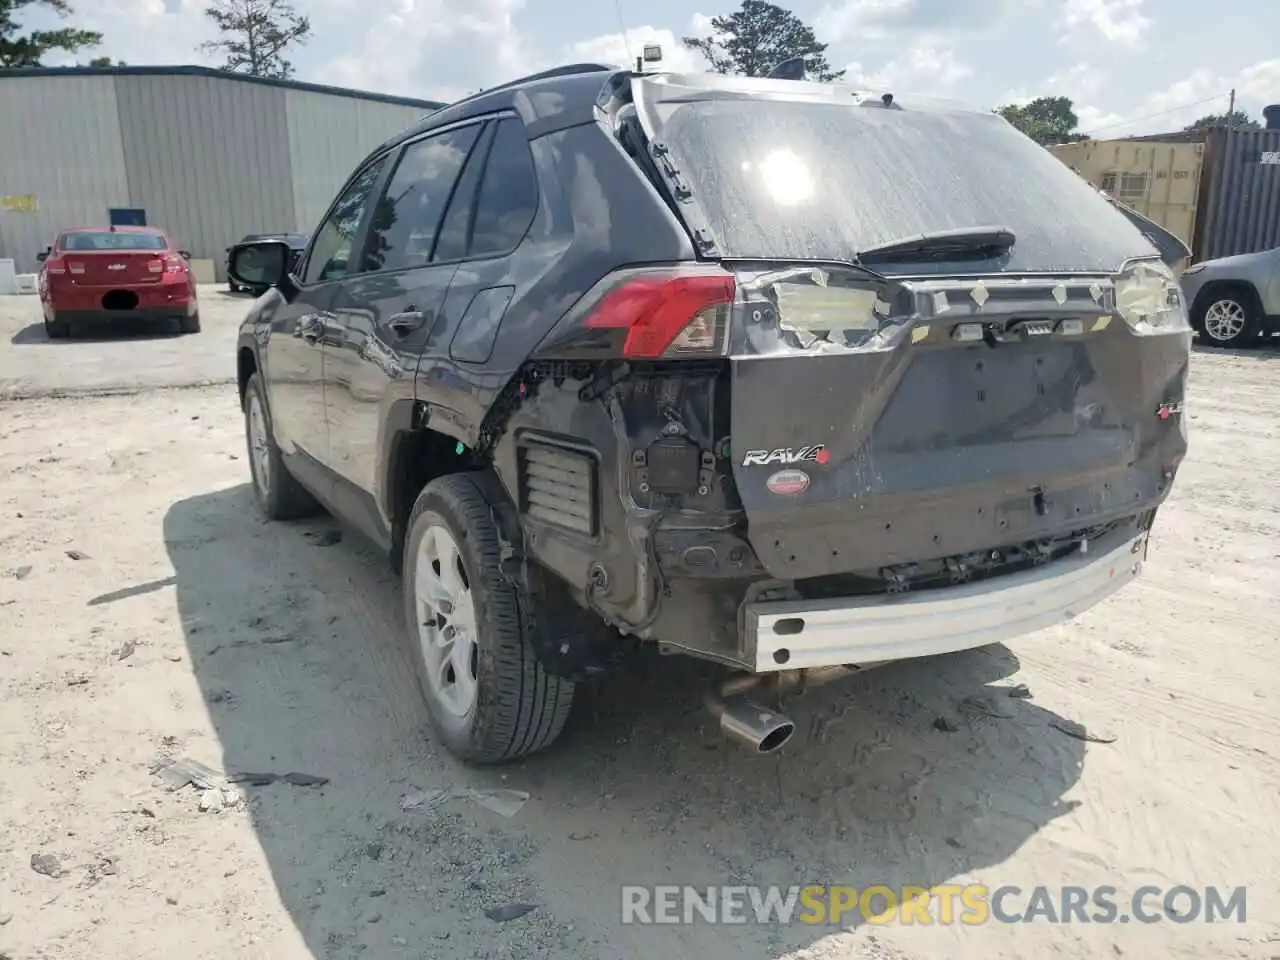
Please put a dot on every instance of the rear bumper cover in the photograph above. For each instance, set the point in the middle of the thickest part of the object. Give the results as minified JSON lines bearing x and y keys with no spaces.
{"x":798,"y":634}
{"x":139,"y":314}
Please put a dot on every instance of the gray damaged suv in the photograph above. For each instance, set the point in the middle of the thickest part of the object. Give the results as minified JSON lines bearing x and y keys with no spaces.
{"x":783,"y":375}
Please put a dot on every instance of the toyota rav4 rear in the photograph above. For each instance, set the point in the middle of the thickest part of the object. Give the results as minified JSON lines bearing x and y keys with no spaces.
{"x":920,"y":391}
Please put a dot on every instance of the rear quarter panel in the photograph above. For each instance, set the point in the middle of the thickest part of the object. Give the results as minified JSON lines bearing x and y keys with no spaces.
{"x":596,"y":213}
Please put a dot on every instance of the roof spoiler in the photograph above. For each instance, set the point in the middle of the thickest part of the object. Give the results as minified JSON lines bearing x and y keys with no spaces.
{"x":1173,"y":251}
{"x":792,"y":68}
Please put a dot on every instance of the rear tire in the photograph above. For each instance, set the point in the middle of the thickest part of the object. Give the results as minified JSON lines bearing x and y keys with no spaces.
{"x":278,"y":494}
{"x":1228,"y":317}
{"x":488,"y":697}
{"x":57,"y":329}
{"x":190,"y":324}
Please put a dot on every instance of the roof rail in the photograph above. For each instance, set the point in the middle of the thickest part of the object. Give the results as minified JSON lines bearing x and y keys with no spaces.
{"x":568,"y":70}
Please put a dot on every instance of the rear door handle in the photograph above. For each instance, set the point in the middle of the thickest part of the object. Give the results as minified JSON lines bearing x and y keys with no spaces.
{"x":406,"y":322}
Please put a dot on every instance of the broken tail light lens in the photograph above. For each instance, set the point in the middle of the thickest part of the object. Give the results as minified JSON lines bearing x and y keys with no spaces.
{"x":666,"y":313}
{"x":1149,"y":299}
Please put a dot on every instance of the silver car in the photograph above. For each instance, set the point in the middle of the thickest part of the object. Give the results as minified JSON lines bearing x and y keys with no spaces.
{"x":1234,"y":300}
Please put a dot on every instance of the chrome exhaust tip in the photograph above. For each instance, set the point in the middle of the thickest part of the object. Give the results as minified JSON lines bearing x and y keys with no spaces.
{"x":748,"y":723}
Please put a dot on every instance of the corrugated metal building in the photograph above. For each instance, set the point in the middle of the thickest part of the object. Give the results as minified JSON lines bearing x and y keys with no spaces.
{"x":208,"y":155}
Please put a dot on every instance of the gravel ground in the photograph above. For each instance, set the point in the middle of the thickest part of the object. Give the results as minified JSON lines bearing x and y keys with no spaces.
{"x":147,"y":614}
{"x":126,"y":356}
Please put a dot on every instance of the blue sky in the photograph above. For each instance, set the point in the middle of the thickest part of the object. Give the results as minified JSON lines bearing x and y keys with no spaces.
{"x":1131,"y":66}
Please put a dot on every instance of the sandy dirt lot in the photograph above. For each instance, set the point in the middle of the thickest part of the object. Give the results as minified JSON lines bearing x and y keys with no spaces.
{"x":147,"y":613}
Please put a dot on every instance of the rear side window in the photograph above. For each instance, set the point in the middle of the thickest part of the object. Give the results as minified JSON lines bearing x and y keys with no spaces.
{"x":508,"y":193}
{"x":87,"y":240}
{"x":406,"y":219}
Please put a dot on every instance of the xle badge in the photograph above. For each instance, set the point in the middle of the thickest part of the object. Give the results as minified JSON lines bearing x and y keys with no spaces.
{"x":1167,"y":410}
{"x":785,"y":455}
{"x":787,"y":482}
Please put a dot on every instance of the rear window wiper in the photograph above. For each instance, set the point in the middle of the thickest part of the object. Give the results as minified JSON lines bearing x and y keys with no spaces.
{"x":942,"y":244}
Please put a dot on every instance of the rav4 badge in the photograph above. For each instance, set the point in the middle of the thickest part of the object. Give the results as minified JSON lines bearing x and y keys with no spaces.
{"x":788,"y":482}
{"x":817,"y":453}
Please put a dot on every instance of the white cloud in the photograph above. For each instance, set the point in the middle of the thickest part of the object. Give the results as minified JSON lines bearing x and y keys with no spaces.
{"x":615,"y":48}
{"x":1182,"y":103}
{"x":929,"y":67}
{"x":433,"y":48}
{"x":861,"y":20}
{"x":158,"y":32}
{"x":1119,"y":21}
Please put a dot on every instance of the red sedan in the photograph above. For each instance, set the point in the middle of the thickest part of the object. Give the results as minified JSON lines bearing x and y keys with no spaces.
{"x":116,"y":273}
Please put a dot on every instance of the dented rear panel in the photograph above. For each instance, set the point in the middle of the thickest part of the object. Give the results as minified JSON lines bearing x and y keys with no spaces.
{"x":881,"y":424}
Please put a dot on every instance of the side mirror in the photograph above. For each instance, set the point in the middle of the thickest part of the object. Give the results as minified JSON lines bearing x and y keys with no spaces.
{"x":42,"y":256}
{"x":263,"y":263}
{"x":185,"y":254}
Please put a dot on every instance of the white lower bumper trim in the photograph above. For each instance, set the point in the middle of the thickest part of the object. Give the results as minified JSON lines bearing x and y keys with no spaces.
{"x":797,"y":634}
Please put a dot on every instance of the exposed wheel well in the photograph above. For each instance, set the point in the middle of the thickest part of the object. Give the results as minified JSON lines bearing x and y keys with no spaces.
{"x":246,"y":367}
{"x":1218,"y":288}
{"x":417,"y":458}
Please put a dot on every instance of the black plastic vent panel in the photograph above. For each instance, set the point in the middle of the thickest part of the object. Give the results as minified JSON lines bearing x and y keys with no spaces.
{"x":558,"y":486}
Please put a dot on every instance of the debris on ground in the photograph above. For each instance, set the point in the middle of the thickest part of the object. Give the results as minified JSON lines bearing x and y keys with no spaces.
{"x":126,"y":650}
{"x":77,"y":680}
{"x":77,"y":555}
{"x":46,"y":865}
{"x":326,"y":538}
{"x":946,"y":725}
{"x":1020,"y":692}
{"x":265,"y":779}
{"x":1079,"y":731}
{"x":985,"y":707}
{"x":506,"y":803}
{"x":105,"y":867}
{"x":21,"y":572}
{"x":510,"y":911}
{"x":5,"y":918}
{"x":178,"y":773}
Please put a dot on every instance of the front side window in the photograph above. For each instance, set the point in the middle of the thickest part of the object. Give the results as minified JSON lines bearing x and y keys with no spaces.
{"x":408,"y":216}
{"x":331,"y":251}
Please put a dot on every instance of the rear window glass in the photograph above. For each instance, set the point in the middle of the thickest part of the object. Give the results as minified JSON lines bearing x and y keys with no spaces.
{"x":819,"y":181}
{"x":106,"y":240}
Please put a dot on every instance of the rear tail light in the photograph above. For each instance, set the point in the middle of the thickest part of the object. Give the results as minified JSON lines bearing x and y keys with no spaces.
{"x":55,"y":266}
{"x":173,"y":263}
{"x":1149,"y":299}
{"x":664,"y":312}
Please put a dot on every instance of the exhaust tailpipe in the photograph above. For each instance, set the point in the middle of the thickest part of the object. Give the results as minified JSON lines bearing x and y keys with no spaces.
{"x":750,"y":724}
{"x":744,"y":721}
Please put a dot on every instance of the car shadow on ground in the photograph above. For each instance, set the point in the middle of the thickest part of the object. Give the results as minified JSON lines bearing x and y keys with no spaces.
{"x":297,"y":647}
{"x":106,"y":332}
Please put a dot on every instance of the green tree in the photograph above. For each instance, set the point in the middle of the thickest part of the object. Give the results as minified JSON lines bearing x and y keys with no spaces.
{"x":753,"y":40}
{"x":1238,"y":120}
{"x":255,"y":34}
{"x":106,"y":62}
{"x":1046,"y":120}
{"x":26,"y":50}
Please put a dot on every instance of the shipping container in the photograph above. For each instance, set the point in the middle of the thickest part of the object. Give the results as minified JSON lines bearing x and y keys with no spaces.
{"x":1240,"y":200}
{"x":1160,"y":180}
